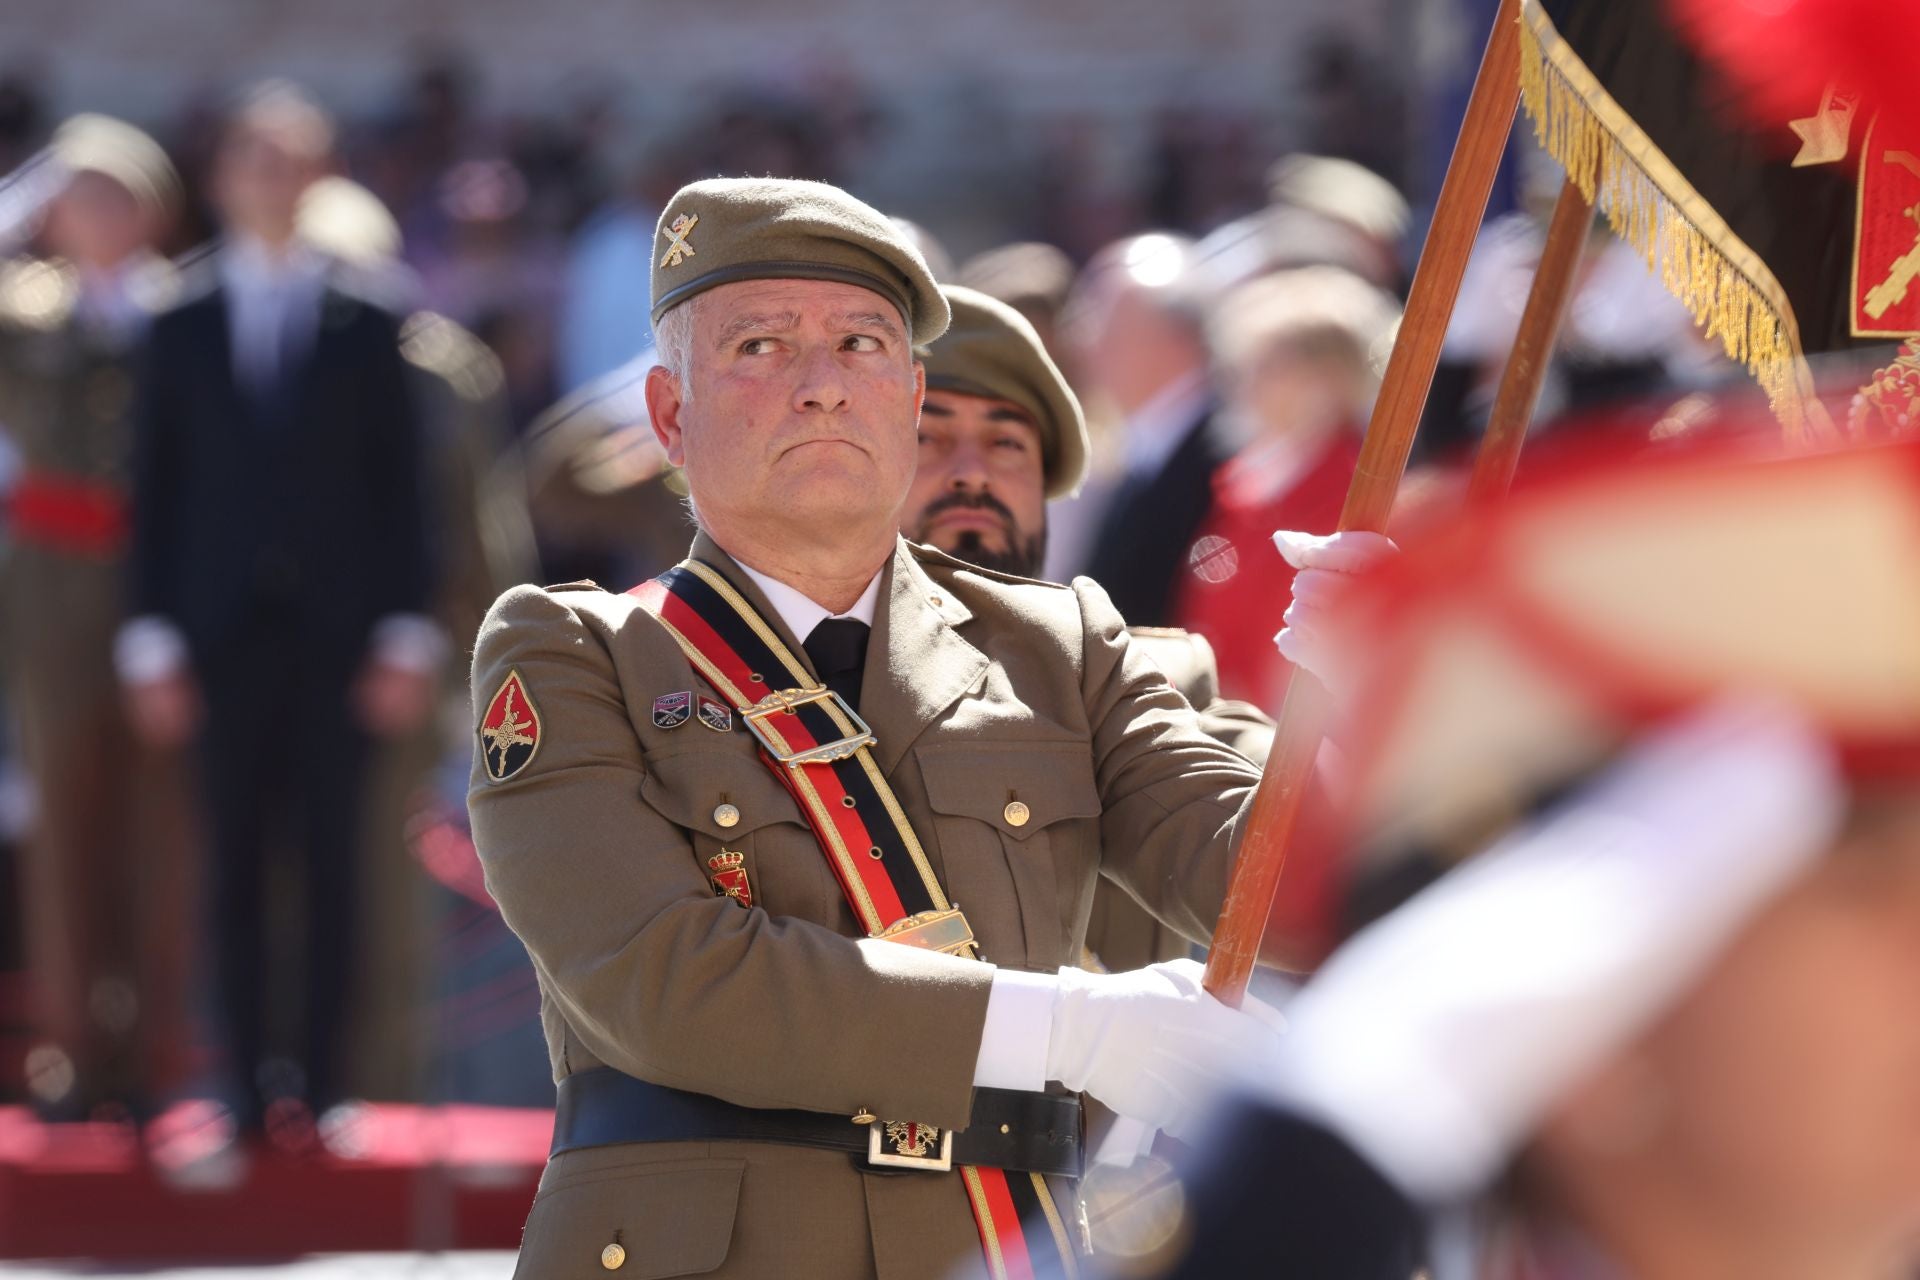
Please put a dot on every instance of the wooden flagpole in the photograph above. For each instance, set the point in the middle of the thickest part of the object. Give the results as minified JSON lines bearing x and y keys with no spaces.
{"x":1376,"y":478}
{"x":1532,"y":345}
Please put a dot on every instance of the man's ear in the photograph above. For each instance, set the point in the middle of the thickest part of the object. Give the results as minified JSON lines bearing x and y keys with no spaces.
{"x":919,"y":391}
{"x":664,"y":402}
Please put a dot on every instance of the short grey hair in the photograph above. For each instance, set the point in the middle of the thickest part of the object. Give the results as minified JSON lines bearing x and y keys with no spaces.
{"x":673,"y":343}
{"x":673,"y":351}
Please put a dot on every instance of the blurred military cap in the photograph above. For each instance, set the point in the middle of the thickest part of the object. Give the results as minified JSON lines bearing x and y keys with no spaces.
{"x":1024,"y":274}
{"x":341,"y":218}
{"x":723,"y":230}
{"x":1339,"y":189}
{"x":100,"y":144}
{"x":990,"y":350}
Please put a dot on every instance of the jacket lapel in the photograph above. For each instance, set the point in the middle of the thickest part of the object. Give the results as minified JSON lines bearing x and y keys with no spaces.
{"x":917,"y":664}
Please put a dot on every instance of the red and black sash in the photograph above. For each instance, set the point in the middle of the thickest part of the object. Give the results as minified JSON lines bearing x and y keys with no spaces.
{"x":821,"y":750}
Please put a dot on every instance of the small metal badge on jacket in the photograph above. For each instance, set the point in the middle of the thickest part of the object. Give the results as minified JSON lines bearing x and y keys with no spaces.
{"x":670,"y":710}
{"x":728,"y":872}
{"x":717,"y":716}
{"x":510,"y":731}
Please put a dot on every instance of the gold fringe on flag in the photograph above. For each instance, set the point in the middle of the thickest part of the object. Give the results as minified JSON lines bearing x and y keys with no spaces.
{"x":1650,"y":205}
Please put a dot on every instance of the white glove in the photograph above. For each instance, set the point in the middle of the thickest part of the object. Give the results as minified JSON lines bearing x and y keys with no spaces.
{"x":1153,"y":1045}
{"x":1436,"y":1039}
{"x":1326,"y":564}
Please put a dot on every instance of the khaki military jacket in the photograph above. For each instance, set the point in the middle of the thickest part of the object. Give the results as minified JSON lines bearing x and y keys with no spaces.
{"x":1121,"y":934}
{"x":981,"y":690}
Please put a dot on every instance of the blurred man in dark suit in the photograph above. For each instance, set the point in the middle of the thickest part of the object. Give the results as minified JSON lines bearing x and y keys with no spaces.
{"x":280,"y":583}
{"x":1139,"y":340}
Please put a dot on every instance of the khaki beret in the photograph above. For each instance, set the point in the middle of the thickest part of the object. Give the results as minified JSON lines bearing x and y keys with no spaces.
{"x":722,"y":230}
{"x":100,"y":144}
{"x":990,"y":350}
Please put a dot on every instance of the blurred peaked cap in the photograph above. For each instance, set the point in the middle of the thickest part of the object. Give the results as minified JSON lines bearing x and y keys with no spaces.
{"x":1508,"y":656}
{"x":1026,"y":271}
{"x":990,"y":350}
{"x":938,"y":260}
{"x":101,"y":144}
{"x":723,"y":230}
{"x":343,"y":219}
{"x":1339,"y":189}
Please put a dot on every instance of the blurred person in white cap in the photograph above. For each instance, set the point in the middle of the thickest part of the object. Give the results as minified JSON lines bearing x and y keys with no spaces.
{"x":1627,"y":907}
{"x":107,"y":871}
{"x":281,"y":585}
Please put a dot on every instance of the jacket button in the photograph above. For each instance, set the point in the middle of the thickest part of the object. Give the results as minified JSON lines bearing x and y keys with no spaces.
{"x":1017,"y":814}
{"x":726,"y":815}
{"x":613,"y":1257}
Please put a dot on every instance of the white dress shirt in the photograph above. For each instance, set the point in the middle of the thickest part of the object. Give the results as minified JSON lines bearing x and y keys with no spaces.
{"x":273,"y":306}
{"x":801,"y":612}
{"x":1154,"y":430}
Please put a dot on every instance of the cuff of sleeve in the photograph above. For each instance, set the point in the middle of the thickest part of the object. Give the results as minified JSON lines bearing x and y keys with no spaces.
{"x":1018,"y":1031}
{"x":147,"y":649}
{"x":409,"y":641}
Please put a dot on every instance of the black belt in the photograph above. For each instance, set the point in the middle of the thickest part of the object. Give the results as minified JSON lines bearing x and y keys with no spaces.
{"x":1010,"y":1129}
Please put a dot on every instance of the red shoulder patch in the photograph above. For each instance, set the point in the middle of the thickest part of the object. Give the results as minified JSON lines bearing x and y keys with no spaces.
{"x":510,"y":731}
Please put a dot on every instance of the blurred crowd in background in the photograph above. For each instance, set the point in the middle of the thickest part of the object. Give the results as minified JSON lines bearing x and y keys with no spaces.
{"x":1224,"y":313}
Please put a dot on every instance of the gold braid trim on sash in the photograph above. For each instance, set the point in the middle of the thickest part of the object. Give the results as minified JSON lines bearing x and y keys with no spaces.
{"x":1685,"y":242}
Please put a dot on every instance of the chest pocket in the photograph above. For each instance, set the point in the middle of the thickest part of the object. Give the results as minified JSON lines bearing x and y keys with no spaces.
{"x":784,"y":868}
{"x":1018,"y":832}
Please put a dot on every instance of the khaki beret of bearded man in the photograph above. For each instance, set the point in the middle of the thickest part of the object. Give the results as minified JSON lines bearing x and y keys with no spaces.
{"x":726,"y":996}
{"x":1001,"y":432}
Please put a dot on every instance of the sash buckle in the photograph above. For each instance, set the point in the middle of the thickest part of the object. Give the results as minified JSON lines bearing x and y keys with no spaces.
{"x":786,"y":702}
{"x":944,"y":931}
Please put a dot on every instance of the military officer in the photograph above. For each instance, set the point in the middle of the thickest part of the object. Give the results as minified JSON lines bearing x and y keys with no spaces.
{"x":108,"y":881}
{"x":812,"y":1019}
{"x":1001,"y":433}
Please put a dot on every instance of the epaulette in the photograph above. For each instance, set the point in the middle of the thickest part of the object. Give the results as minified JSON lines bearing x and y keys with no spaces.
{"x":583,"y":584}
{"x":927,"y":554}
{"x":37,"y":294}
{"x":436,"y":344}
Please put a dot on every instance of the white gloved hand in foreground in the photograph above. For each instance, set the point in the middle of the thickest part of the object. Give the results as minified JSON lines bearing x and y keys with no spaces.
{"x":1326,"y":565}
{"x":1153,"y":1045}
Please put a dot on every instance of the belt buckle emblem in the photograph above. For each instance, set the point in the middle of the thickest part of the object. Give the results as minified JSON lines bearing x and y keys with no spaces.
{"x":904,"y":1144}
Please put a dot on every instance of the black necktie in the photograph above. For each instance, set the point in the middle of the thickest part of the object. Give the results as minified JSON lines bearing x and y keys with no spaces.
{"x":838,"y":648}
